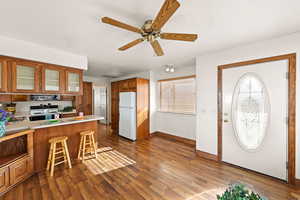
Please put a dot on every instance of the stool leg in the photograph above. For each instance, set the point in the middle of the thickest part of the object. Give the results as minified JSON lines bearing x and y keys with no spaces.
{"x":64,"y":152}
{"x":80,"y":147}
{"x":53,"y":160}
{"x":94,"y":146}
{"x":67,"y":153}
{"x":83,"y":150}
{"x":49,"y":157}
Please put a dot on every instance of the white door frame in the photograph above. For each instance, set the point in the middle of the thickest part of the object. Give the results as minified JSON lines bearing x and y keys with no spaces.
{"x":291,"y":107}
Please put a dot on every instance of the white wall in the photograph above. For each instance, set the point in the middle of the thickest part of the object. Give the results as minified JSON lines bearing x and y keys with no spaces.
{"x":101,"y":82}
{"x":206,"y":71}
{"x":181,"y":125}
{"x":175,"y":124}
{"x":27,"y":50}
{"x":145,"y":75}
{"x":97,"y":81}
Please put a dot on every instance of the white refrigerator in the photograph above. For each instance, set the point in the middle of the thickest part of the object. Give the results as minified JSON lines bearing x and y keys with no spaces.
{"x":127,"y":110}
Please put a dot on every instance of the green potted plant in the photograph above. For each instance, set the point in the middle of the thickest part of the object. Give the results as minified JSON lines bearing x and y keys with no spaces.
{"x":239,"y":192}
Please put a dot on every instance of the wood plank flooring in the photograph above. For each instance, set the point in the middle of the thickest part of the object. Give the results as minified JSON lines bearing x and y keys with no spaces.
{"x":164,"y":170}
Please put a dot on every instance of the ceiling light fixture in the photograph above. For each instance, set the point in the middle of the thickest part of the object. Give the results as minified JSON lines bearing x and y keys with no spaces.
{"x":169,"y":69}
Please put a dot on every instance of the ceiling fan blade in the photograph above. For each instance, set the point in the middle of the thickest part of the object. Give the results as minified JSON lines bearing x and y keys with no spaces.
{"x":131,"y":44}
{"x":179,"y":36}
{"x":113,"y":22}
{"x":166,"y":11}
{"x":157,"y":48}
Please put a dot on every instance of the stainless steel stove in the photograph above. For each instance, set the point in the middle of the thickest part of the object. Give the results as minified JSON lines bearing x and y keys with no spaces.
{"x":43,"y":112}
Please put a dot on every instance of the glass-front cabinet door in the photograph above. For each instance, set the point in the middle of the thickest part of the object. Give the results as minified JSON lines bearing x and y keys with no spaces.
{"x":52,"y":79}
{"x":25,"y":77}
{"x":73,"y":81}
{"x":3,"y":75}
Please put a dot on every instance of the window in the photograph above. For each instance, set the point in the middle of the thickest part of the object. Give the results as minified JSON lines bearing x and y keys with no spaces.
{"x":250,"y":111}
{"x":178,"y":95}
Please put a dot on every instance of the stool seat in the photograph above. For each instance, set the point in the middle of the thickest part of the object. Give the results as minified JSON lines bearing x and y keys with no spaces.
{"x":87,"y":133}
{"x":87,"y":145}
{"x":58,"y":139}
{"x":58,"y":153}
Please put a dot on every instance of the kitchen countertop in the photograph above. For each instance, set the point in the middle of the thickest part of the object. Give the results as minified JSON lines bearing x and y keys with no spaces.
{"x":24,"y":125}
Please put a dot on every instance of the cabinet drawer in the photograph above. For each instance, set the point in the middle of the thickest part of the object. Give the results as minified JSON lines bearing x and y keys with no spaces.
{"x":4,"y":179}
{"x":20,"y":170}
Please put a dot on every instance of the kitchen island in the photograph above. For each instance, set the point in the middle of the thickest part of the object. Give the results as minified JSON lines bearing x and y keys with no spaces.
{"x":45,"y":130}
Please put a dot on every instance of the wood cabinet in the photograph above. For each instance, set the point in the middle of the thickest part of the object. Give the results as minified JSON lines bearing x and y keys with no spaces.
{"x":20,"y":98}
{"x":53,"y":79}
{"x":123,"y":86}
{"x":4,"y":179}
{"x":84,"y":103}
{"x":73,"y":81}
{"x":128,"y":85}
{"x":87,"y":98}
{"x":25,"y":76}
{"x":132,"y":83}
{"x":3,"y":75}
{"x":16,"y":159}
{"x":141,"y":87}
{"x":19,"y":170}
{"x":115,"y":106}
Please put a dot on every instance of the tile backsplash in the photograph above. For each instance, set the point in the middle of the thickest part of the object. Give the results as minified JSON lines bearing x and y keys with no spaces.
{"x":24,"y":107}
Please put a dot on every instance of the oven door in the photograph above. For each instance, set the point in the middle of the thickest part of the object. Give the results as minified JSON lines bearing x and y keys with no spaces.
{"x":37,"y":117}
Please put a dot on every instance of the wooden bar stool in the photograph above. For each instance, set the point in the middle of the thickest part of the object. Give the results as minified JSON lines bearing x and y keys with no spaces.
{"x":87,"y":145}
{"x":58,"y":153}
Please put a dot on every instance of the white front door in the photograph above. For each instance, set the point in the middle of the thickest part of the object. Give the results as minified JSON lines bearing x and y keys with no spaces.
{"x":255,"y":111}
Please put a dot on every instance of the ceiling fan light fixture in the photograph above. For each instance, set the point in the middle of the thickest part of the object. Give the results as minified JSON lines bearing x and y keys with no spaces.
{"x":151,"y":29}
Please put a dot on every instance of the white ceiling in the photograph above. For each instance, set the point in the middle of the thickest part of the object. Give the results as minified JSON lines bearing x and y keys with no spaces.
{"x":73,"y":25}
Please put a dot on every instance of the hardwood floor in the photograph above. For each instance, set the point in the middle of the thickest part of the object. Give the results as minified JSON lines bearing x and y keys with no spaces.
{"x":164,"y":169}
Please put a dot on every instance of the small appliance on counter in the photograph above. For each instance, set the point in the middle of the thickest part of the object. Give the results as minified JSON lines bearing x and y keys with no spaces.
{"x":43,"y":112}
{"x":11,"y":107}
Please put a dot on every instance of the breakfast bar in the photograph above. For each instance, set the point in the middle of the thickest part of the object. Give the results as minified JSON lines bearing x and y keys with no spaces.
{"x":46,"y":129}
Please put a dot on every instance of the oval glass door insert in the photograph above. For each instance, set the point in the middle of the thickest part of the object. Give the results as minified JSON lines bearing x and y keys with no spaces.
{"x":250,"y":111}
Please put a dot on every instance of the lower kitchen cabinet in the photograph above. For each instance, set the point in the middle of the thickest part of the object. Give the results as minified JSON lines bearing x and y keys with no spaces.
{"x":16,"y":159}
{"x":20,"y":170}
{"x":4,"y":179}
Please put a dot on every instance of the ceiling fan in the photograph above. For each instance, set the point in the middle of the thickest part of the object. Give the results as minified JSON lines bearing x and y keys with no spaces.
{"x":151,"y":30}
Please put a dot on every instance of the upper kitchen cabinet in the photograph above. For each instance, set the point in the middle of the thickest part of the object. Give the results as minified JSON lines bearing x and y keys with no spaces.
{"x":26,"y":77}
{"x":128,"y":85}
{"x":73,"y":82}
{"x":132,"y":84}
{"x":123,"y":86}
{"x":53,"y":79}
{"x":3,"y":75}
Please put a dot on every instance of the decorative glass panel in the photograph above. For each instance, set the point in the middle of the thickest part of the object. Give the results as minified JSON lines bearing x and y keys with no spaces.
{"x":25,"y":77}
{"x":73,"y":82}
{"x":250,"y":111}
{"x":52,"y":80}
